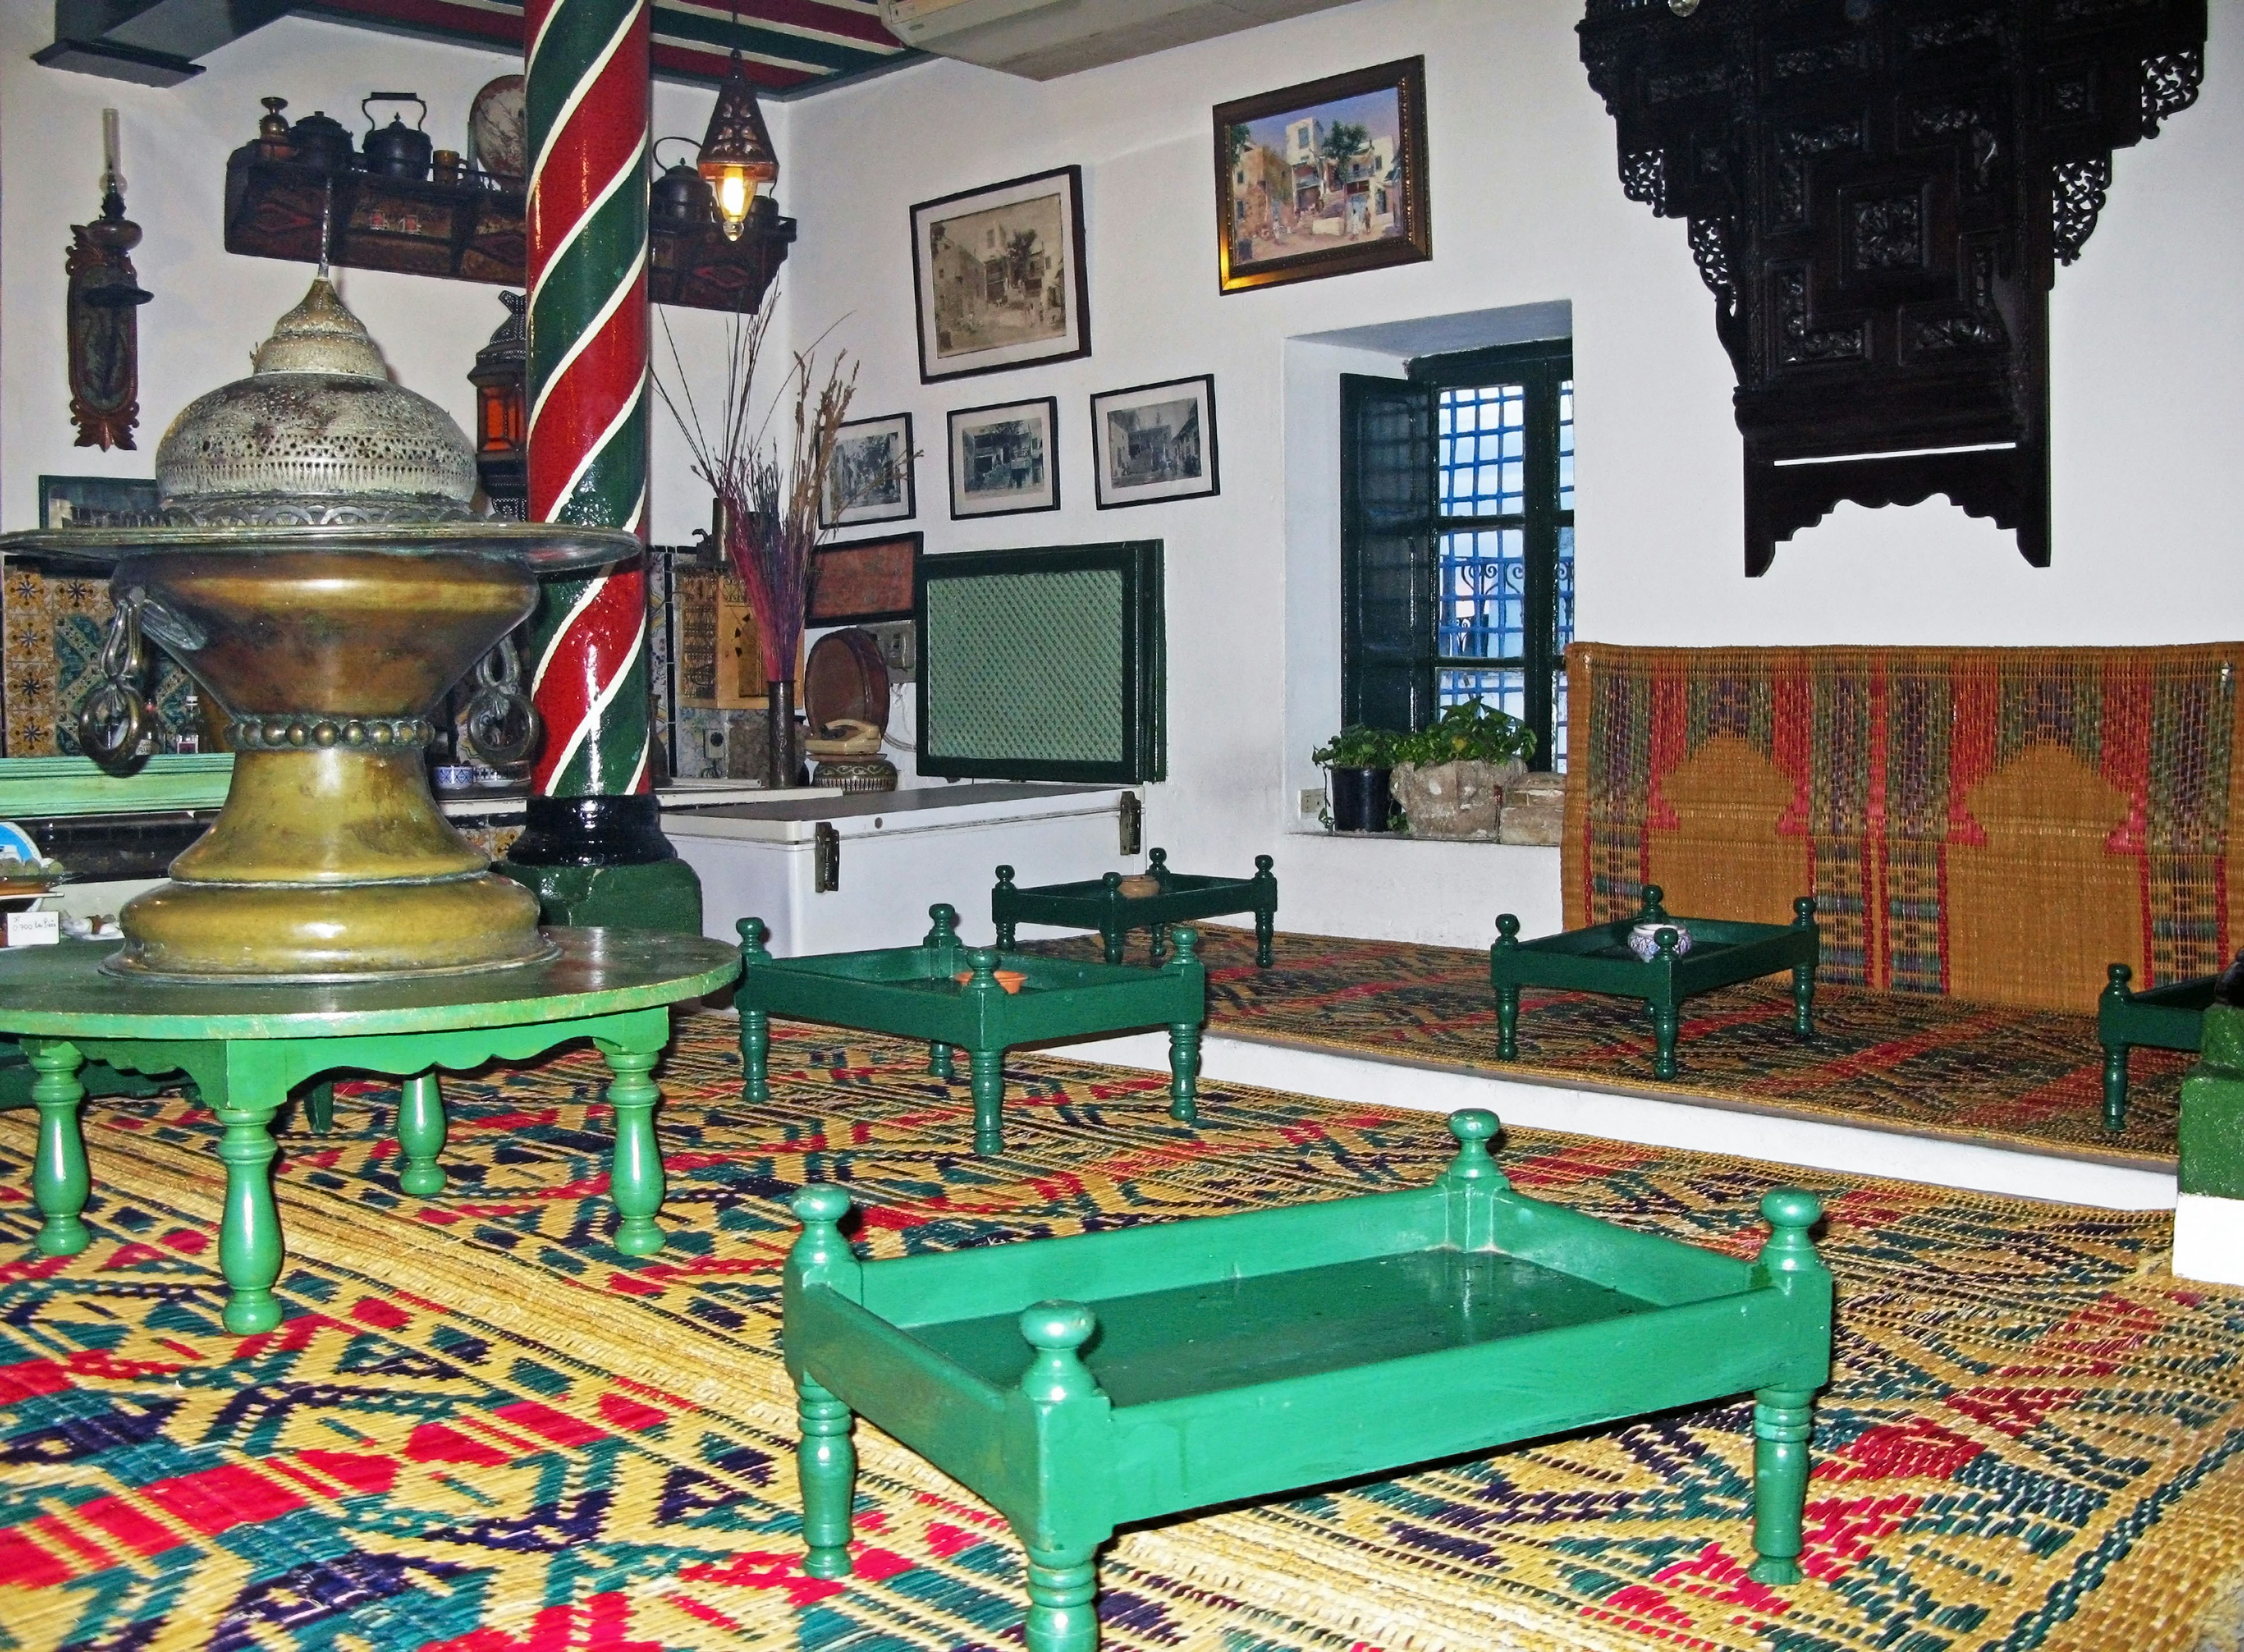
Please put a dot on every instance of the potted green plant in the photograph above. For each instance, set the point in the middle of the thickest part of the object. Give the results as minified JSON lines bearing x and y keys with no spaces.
{"x":1449,"y":777}
{"x":1356,"y":762}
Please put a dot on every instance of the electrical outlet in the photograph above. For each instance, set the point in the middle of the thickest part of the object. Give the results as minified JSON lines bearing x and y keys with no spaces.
{"x":1313,"y":799}
{"x":899,"y":650}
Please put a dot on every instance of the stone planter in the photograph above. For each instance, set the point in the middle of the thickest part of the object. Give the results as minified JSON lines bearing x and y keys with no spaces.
{"x":1535,"y":810}
{"x":1459,"y":802}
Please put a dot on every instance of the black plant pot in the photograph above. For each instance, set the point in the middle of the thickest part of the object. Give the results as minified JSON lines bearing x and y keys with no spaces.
{"x":1360,"y":800}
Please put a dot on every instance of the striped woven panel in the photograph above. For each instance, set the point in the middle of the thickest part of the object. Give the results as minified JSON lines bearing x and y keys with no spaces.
{"x":1928,"y":1065}
{"x":481,"y":1429}
{"x":1996,"y":824}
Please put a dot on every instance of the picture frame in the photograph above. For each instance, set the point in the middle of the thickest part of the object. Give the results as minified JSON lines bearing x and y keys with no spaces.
{"x":870,"y":478}
{"x":1325,"y":178}
{"x":997,"y":276}
{"x":1004,"y":459}
{"x":94,"y":501}
{"x":865,"y":582}
{"x":1153,"y":442}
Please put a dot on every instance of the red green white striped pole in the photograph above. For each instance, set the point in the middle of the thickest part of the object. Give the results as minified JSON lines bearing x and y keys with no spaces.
{"x":585,"y":103}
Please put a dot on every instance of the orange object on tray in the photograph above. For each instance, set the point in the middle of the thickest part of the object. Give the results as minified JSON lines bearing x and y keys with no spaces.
{"x":1010,"y":980}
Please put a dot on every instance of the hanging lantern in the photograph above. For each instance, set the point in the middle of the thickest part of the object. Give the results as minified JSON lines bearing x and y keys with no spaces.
{"x":502,"y":464}
{"x":737,"y":157}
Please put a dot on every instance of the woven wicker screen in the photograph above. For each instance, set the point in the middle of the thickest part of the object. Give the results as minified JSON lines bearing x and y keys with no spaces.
{"x":1999,"y":824}
{"x":1041,"y":665}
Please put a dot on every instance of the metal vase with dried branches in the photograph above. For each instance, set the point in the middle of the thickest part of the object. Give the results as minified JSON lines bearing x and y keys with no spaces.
{"x":769,"y":485}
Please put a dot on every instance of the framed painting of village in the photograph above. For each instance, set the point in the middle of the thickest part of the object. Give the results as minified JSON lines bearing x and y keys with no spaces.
{"x":997,"y":274}
{"x":1005,"y":459}
{"x":1323,"y":178}
{"x":1154,"y":441}
{"x":871,"y":477}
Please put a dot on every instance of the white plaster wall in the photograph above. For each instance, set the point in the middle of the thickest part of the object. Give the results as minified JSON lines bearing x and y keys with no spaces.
{"x":211,"y":308}
{"x":1526,"y":210}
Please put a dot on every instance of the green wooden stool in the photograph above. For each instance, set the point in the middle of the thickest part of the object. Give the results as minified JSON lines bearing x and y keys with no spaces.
{"x":915,"y":993}
{"x":246,"y":1046}
{"x":1598,"y":959}
{"x":1099,"y":904}
{"x":2164,"y":1018}
{"x":1080,"y":1384}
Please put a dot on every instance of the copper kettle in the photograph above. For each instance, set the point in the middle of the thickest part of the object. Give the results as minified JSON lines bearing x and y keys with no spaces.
{"x":397,"y":150}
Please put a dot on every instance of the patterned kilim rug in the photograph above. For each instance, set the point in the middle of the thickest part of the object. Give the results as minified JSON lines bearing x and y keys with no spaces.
{"x":481,"y":1429}
{"x":1927,"y":1065}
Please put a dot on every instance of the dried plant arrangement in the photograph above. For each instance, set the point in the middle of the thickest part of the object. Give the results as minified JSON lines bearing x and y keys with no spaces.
{"x":769,"y":485}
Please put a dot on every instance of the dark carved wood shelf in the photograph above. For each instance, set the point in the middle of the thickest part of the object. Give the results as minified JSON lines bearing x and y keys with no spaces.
{"x":1879,"y":193}
{"x":468,"y":232}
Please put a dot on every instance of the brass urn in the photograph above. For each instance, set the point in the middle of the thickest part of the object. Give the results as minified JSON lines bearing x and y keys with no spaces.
{"x":316,"y":565}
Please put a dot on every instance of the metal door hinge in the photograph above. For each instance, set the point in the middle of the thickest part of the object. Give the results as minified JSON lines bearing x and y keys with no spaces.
{"x":826,"y":860}
{"x":1132,"y":814}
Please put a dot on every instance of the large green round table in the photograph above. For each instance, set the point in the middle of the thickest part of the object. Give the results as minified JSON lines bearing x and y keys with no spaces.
{"x":246,"y":1046}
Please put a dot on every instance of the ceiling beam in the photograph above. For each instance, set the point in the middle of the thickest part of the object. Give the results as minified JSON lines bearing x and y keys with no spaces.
{"x":153,"y":42}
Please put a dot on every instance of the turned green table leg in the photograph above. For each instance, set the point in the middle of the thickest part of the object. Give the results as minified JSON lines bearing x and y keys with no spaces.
{"x":1183,"y":1072}
{"x":1266,"y":924}
{"x":826,"y":1468}
{"x":1507,"y":1024}
{"x":988,"y":1069}
{"x":60,"y":1180}
{"x":1667,"y":1021}
{"x":1782,"y":1423}
{"x":1117,"y":941}
{"x":2115,"y":1087}
{"x":319,"y":1106}
{"x":1063,"y":1584}
{"x":635,"y":1183}
{"x":939,"y":1064}
{"x":421,"y":1135}
{"x":249,"y":1245}
{"x":755,"y":1055}
{"x":1803,"y":1000}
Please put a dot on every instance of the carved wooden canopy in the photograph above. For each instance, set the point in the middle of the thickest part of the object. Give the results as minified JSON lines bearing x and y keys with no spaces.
{"x":1879,"y":193}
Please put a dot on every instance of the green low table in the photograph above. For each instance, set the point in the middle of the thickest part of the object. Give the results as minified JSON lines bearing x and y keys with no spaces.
{"x":914,"y":993}
{"x":246,"y":1046}
{"x":1099,"y":904}
{"x":1597,"y":959}
{"x":2165,"y":1017}
{"x":1080,"y":1384}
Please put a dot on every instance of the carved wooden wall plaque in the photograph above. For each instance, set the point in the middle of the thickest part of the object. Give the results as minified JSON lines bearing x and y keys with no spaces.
{"x":1879,"y":193}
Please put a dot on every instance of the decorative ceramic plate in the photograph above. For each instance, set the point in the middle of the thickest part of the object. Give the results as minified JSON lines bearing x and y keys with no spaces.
{"x":498,"y":140}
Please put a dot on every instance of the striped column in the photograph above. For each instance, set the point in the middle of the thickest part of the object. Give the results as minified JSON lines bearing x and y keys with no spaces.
{"x":586,"y":106}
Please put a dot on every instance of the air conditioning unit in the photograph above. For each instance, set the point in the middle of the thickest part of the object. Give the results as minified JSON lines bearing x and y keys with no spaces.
{"x":1044,"y":39}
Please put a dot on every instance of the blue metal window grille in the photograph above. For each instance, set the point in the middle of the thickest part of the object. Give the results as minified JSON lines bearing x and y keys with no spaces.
{"x":1506,"y":460}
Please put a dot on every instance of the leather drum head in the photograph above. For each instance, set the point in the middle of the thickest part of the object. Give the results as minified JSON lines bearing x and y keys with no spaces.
{"x":845,"y":677}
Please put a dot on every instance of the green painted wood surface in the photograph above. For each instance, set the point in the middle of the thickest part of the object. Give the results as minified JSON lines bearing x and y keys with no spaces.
{"x":2163,"y":1018}
{"x":1099,"y":904}
{"x":1178,"y":1366}
{"x":915,"y":993}
{"x":2212,"y":1126}
{"x":50,"y":786}
{"x":1597,"y":959}
{"x":250,"y":1047}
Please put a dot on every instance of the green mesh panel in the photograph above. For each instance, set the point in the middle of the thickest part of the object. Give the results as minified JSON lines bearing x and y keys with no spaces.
{"x":1026,"y":667}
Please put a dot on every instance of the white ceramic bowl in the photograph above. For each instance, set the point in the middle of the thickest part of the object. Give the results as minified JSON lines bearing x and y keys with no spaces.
{"x":1643,"y":939}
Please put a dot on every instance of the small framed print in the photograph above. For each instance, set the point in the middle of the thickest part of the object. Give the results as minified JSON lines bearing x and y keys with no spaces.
{"x":871,"y":477}
{"x":95,"y":501}
{"x":1154,"y":441}
{"x":1323,"y":178}
{"x":1004,"y":459}
{"x":867,"y":582}
{"x":997,"y":275}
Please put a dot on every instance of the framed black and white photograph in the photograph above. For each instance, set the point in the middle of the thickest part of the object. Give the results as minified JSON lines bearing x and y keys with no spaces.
{"x":997,"y":274}
{"x":870,"y":479}
{"x":94,"y":501}
{"x":1004,"y":459}
{"x":1154,"y":441}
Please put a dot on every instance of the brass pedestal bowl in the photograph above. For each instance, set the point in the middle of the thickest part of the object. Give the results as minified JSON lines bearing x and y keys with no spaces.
{"x":328,"y":647}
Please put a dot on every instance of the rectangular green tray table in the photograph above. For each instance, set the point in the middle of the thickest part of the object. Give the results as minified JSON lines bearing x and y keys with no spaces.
{"x":1597,"y":959}
{"x":914,"y":993}
{"x":1083,"y":1383}
{"x":1099,"y":904}
{"x":2163,"y":1018}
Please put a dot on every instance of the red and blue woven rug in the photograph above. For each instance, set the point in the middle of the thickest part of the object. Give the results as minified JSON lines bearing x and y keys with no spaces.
{"x":482,"y":1429}
{"x":1931,"y":1065}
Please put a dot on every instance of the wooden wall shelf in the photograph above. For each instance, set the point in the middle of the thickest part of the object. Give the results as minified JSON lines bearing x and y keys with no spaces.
{"x":468,"y":232}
